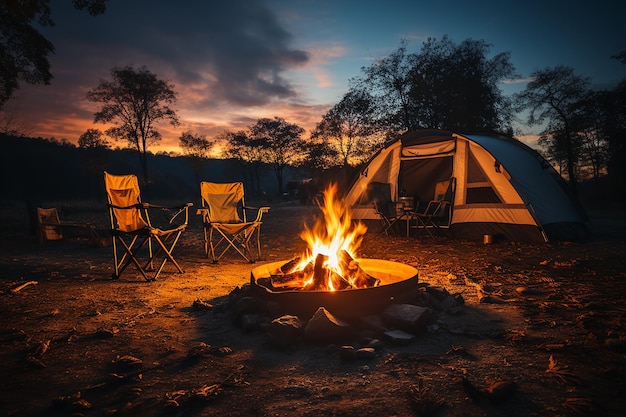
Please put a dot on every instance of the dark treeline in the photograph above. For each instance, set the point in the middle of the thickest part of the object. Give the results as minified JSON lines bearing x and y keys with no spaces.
{"x":36,"y":170}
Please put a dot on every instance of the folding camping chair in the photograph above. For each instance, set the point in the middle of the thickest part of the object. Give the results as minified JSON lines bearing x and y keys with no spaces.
{"x":50,"y":226}
{"x":132,"y":228}
{"x":436,"y":215}
{"x":224,"y":212}
{"x":389,"y":212}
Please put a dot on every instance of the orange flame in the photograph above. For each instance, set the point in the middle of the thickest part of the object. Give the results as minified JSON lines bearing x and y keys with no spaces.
{"x":333,"y":233}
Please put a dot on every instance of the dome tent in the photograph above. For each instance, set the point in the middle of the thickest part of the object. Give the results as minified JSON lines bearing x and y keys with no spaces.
{"x":502,"y":187}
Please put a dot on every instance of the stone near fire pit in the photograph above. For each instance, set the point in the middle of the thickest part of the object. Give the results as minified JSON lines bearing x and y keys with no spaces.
{"x":373,"y":323}
{"x":407,"y":317}
{"x":285,"y":330}
{"x":399,"y":337}
{"x":325,"y":327}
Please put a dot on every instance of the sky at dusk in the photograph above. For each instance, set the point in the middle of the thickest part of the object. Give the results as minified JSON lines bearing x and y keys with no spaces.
{"x":233,"y":62}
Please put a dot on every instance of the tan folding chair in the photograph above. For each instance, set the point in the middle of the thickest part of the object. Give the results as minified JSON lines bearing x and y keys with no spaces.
{"x":133,"y":232}
{"x":50,"y":226}
{"x":223,"y":212}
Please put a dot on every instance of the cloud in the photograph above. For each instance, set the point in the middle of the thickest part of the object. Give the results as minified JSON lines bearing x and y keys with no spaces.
{"x":225,"y":59}
{"x":321,"y":56}
{"x":518,"y":80}
{"x":236,"y":50}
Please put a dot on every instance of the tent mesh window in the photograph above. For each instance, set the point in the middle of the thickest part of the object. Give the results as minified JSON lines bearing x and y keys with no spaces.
{"x":479,"y":188}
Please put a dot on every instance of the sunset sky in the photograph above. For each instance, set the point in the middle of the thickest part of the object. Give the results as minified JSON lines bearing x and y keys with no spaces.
{"x":233,"y":62}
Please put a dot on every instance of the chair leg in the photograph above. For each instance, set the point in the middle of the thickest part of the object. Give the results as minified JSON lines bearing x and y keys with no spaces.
{"x":258,"y":241}
{"x":232,"y":243}
{"x":167,"y":252}
{"x":129,"y":256}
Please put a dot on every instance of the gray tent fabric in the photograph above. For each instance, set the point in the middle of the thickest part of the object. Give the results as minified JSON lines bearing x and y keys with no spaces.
{"x":503,"y":187}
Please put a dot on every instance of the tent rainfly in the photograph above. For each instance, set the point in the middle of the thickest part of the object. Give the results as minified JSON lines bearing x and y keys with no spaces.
{"x":502,"y":187}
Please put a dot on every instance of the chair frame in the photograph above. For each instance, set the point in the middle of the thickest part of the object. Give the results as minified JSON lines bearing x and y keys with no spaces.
{"x":426,"y":220}
{"x":222,"y":236}
{"x":387,"y":223}
{"x":128,"y":244}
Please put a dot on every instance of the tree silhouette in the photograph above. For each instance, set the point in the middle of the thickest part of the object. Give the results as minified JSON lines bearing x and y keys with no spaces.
{"x":134,"y":101}
{"x":388,"y":81}
{"x":444,"y":86}
{"x":248,"y":152}
{"x":348,"y":128}
{"x":196,"y":148}
{"x":281,"y":144}
{"x":456,"y":87}
{"x":93,"y":138}
{"x":557,"y":96}
{"x":23,"y":49}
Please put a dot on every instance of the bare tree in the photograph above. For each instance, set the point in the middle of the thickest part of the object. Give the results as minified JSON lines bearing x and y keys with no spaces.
{"x":557,"y":96}
{"x":134,"y":101}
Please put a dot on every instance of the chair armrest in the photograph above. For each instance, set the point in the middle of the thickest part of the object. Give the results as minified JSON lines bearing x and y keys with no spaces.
{"x":132,"y":206}
{"x":259,"y":210}
{"x":180,"y":208}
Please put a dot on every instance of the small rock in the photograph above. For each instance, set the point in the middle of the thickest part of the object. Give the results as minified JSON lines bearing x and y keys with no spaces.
{"x":324,"y":326}
{"x":347,"y":353}
{"x":376,"y":344}
{"x":285,"y":330}
{"x":366,"y":353}
{"x":408,"y":317}
{"x":399,"y":337}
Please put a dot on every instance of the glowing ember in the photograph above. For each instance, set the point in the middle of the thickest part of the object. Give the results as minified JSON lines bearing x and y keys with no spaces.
{"x":329,"y":262}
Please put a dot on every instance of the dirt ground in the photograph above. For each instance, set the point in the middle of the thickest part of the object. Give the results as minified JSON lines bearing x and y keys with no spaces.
{"x":541,"y":333}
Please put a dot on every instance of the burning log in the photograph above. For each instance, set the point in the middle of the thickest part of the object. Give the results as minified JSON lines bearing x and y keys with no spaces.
{"x":320,"y":274}
{"x":355,"y":274}
{"x":289,"y":278}
{"x":290,"y":266}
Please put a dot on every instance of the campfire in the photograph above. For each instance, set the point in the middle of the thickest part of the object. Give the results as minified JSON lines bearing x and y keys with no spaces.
{"x":330,"y":273}
{"x":329,"y":262}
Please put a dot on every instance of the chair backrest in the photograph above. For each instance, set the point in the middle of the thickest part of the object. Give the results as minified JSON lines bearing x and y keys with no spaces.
{"x":380,"y":195}
{"x":441,"y":190}
{"x":47,"y":218}
{"x":123,"y":191}
{"x":223,"y":201}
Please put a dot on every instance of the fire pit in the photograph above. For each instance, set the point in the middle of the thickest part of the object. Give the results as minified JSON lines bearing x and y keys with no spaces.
{"x":330,"y":275}
{"x":397,"y":284}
